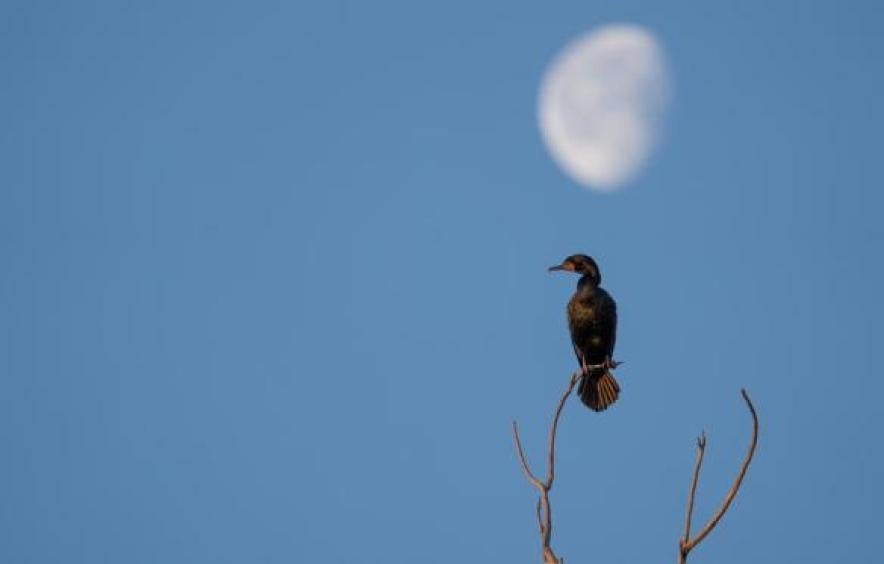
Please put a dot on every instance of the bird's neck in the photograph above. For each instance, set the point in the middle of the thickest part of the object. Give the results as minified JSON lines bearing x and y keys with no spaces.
{"x":587,"y":286}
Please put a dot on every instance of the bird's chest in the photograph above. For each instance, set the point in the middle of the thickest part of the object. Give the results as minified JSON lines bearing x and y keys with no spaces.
{"x":582,"y":312}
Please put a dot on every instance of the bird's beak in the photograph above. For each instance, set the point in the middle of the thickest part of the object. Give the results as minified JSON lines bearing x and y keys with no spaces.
{"x":566,"y":266}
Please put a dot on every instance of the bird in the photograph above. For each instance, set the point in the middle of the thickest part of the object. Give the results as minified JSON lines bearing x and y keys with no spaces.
{"x":592,"y":321}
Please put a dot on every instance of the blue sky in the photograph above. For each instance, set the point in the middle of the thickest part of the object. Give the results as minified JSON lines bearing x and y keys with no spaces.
{"x":275,"y":284}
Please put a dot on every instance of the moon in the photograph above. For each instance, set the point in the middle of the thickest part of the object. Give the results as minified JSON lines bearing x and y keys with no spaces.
{"x":601,"y":104}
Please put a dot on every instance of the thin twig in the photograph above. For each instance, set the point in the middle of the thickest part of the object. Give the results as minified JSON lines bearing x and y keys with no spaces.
{"x":524,"y":463}
{"x":687,"y":544}
{"x":551,"y":450}
{"x":544,"y":513}
{"x":701,"y":448}
{"x":739,"y":479}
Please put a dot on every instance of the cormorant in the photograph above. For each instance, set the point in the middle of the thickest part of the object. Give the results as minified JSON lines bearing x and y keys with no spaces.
{"x":592,"y":319}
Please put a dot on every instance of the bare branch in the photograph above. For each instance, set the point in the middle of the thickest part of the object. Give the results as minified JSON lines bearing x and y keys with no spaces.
{"x":687,"y":544}
{"x":739,"y":479}
{"x":701,"y":448}
{"x":544,"y":512}
{"x":524,"y":463}
{"x":551,"y":450}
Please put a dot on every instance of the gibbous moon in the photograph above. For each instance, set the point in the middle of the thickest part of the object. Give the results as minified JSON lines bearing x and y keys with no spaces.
{"x":602,"y":101}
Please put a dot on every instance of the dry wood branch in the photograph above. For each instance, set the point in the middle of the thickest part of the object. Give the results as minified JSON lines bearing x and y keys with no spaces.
{"x":701,"y":448}
{"x":544,"y":513}
{"x":686,"y":543}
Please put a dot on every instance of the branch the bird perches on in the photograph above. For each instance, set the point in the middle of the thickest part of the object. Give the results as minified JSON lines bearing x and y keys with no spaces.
{"x":544,"y":512}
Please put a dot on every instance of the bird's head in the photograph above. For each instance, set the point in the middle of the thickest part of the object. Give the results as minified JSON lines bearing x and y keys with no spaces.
{"x":581,"y":264}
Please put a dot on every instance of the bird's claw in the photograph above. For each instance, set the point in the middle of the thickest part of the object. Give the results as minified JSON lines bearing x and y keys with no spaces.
{"x":606,"y":364}
{"x":611,"y":364}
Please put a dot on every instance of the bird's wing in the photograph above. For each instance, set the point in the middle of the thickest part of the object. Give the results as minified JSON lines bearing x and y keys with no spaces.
{"x":607,"y":321}
{"x":576,"y":330}
{"x":613,"y":328}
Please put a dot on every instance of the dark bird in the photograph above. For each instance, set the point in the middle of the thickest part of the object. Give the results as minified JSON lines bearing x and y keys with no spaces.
{"x":592,"y":319}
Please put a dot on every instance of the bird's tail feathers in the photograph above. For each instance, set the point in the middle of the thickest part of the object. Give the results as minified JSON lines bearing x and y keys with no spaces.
{"x":598,"y":390}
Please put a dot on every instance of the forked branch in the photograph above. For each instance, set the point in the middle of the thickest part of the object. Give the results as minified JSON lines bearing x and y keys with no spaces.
{"x":686,"y":543}
{"x":544,"y":513}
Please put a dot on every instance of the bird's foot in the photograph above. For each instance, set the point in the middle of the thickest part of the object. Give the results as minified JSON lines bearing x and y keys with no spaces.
{"x":611,"y":364}
{"x":584,"y":368}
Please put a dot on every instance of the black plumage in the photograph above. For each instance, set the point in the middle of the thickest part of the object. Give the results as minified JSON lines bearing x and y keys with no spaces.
{"x":592,"y":319}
